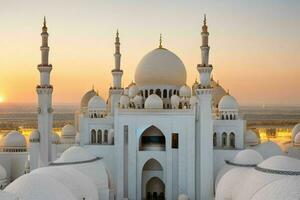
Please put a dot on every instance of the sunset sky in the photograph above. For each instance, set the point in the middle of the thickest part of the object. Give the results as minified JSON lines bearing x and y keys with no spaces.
{"x":255,"y":45}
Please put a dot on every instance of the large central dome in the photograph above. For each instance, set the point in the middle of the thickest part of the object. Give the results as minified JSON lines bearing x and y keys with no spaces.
{"x":160,"y":67}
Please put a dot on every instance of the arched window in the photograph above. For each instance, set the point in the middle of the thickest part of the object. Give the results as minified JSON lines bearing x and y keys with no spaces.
{"x":222,"y":117}
{"x":215,"y":139}
{"x":158,"y":92}
{"x":227,"y":117}
{"x":99,"y":137}
{"x":151,"y":91}
{"x":146,"y":93}
{"x":174,"y":92}
{"x":177,"y":92}
{"x":105,"y":136}
{"x":165,"y":95}
{"x":170,"y":93}
{"x":93,"y":136}
{"x":224,"y":139}
{"x":232,"y":140}
{"x":142,"y":93}
{"x":152,"y":139}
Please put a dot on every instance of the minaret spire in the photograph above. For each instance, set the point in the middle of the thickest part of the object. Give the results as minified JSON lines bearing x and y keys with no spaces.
{"x":45,"y":110}
{"x":116,"y":90}
{"x":160,"y":41}
{"x":205,"y":68}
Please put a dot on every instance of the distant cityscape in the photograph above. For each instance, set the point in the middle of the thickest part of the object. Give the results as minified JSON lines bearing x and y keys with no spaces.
{"x":273,"y":123}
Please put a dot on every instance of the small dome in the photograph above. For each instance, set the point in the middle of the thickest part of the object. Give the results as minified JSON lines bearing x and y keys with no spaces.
{"x":75,"y":154}
{"x":160,"y":67}
{"x":138,"y":101}
{"x":96,"y":102}
{"x":14,"y":139}
{"x":295,"y":130}
{"x":185,"y":91}
{"x":68,"y":131}
{"x":247,"y":157}
{"x":3,"y":173}
{"x":154,"y":102}
{"x":124,"y":101}
{"x":86,"y":98}
{"x":55,"y":138}
{"x":77,"y":138}
{"x":175,"y":100}
{"x":281,"y":163}
{"x":34,"y":136}
{"x":133,"y":90}
{"x":183,"y":197}
{"x":228,"y":102}
{"x":251,"y":138}
{"x":193,"y":101}
{"x":268,"y":149}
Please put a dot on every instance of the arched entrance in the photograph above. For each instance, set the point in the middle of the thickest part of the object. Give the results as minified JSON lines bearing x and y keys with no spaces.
{"x":153,"y":188}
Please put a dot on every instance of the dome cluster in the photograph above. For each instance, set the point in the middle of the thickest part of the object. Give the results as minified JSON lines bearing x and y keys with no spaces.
{"x":273,"y":178}
{"x":14,"y":141}
{"x":77,"y":174}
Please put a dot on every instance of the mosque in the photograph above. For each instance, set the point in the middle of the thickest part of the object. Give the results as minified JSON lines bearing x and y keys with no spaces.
{"x":156,"y":139}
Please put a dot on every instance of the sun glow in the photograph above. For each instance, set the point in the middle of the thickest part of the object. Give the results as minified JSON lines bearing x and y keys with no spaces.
{"x":1,"y":99}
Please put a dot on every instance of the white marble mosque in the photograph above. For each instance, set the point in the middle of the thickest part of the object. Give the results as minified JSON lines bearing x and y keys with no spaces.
{"x":156,"y":139}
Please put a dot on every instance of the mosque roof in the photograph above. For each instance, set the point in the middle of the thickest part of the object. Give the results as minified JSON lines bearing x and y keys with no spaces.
{"x":160,"y":67}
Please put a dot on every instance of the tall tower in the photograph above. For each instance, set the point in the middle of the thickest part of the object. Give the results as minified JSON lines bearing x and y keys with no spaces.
{"x":116,"y":90}
{"x":204,"y":124}
{"x":45,"y":110}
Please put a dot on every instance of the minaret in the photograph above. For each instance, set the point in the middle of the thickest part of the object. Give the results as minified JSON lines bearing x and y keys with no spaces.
{"x":116,"y":90}
{"x":204,"y":125}
{"x":45,"y":110}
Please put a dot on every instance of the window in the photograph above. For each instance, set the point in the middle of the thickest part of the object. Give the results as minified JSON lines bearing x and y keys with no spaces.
{"x":93,"y":136}
{"x":175,"y":140}
{"x":106,"y":136}
{"x":224,"y":139}
{"x":146,"y":93}
{"x":99,"y":137}
{"x":232,"y":140}
{"x":215,"y":139}
{"x":158,"y":92}
{"x":165,"y":93}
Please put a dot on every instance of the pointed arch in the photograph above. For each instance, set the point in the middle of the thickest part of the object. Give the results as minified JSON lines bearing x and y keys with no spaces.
{"x":152,"y":139}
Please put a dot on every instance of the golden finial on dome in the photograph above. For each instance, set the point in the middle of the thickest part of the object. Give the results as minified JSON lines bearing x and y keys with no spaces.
{"x":160,"y":41}
{"x":227,"y":92}
{"x":44,"y":20}
{"x":93,"y":87}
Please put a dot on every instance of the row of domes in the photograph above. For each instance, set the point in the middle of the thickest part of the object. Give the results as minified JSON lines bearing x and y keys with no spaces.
{"x":249,"y":177}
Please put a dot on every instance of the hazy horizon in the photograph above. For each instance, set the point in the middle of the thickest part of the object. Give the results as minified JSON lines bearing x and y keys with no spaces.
{"x":255,"y":45}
